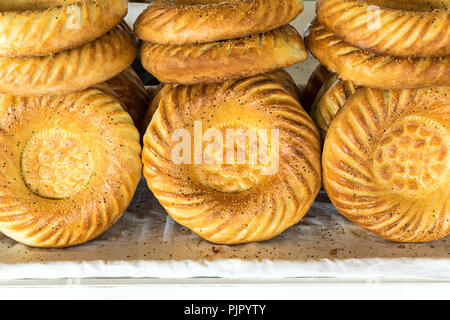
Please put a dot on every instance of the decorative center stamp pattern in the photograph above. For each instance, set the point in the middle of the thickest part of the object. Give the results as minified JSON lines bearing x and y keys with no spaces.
{"x":55,"y":164}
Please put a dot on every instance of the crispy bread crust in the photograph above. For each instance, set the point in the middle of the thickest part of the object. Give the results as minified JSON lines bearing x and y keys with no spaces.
{"x":187,"y":22}
{"x":35,"y":28}
{"x":220,"y":61}
{"x":404,"y":28}
{"x":330,"y":99}
{"x":368,"y":69}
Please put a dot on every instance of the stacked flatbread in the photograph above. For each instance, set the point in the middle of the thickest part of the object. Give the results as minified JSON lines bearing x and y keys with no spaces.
{"x":70,"y":153}
{"x":220,"y":61}
{"x":382,"y":103}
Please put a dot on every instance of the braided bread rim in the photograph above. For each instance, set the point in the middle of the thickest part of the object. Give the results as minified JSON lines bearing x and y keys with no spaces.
{"x":281,"y":76}
{"x":329,"y":101}
{"x":58,"y":28}
{"x":71,"y":70}
{"x":368,"y":69}
{"x":224,"y":60}
{"x":172,"y":22}
{"x":371,"y":25}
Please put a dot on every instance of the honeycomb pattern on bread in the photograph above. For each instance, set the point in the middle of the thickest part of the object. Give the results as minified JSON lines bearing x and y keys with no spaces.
{"x":386,"y":162}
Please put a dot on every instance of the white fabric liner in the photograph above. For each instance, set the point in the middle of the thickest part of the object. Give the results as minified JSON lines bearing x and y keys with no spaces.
{"x":146,"y":243}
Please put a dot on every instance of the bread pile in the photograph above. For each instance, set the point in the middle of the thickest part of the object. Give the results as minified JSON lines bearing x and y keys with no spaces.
{"x":70,"y":154}
{"x":220,"y":61}
{"x":382,"y":103}
{"x":199,"y":42}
